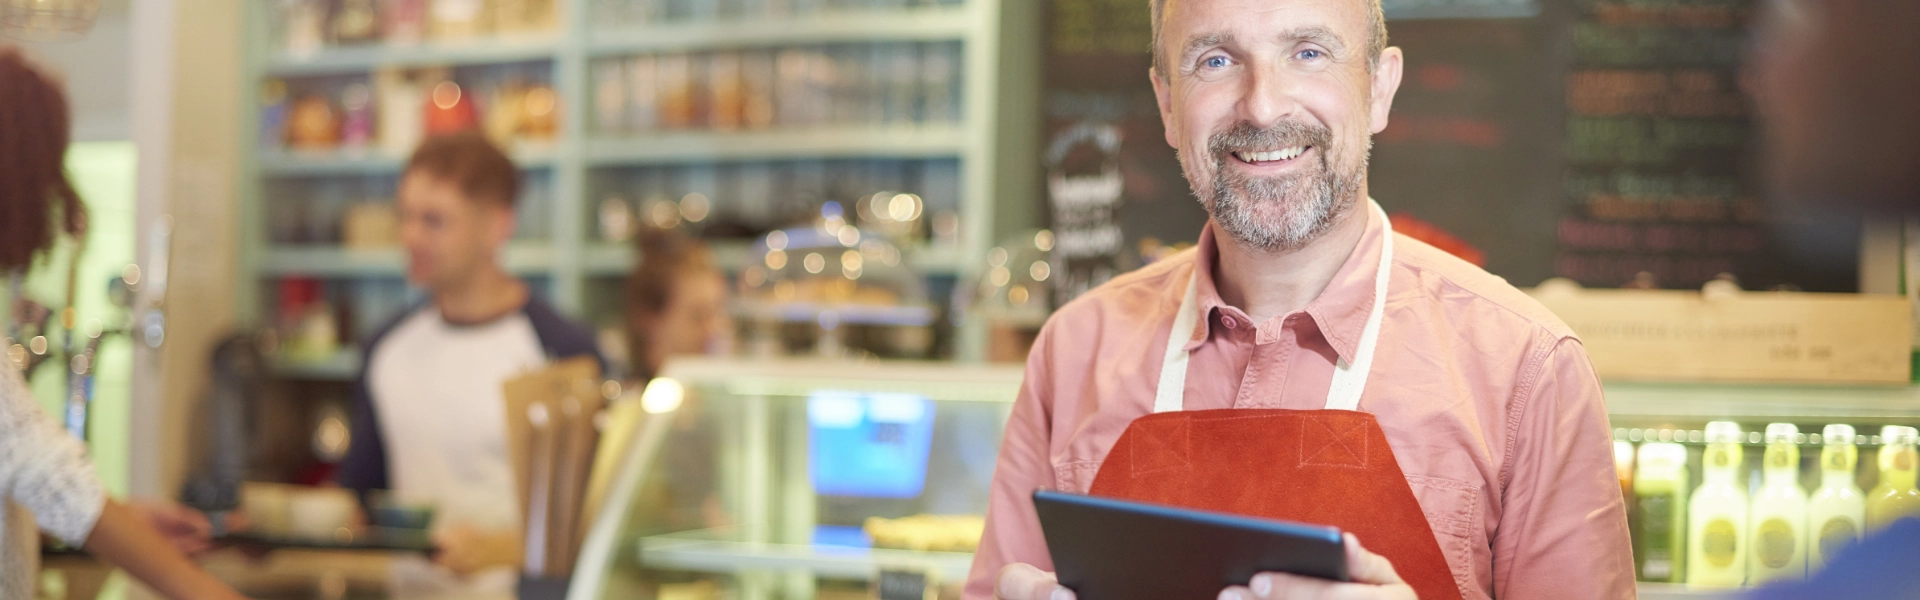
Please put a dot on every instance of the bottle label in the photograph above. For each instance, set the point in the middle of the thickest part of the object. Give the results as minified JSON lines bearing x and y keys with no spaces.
{"x":1839,"y":461}
{"x":1719,"y":541}
{"x":1836,"y":534}
{"x":1776,"y":543}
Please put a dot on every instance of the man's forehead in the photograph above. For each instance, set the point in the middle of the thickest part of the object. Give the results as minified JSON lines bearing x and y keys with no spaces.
{"x":1288,"y":14}
{"x":1192,"y":23}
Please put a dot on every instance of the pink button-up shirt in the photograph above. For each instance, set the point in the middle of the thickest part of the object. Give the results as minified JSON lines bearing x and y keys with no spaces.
{"x":1493,"y":411}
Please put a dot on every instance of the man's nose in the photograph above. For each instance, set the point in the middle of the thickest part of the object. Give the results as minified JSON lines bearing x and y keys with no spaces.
{"x":1268,"y":96}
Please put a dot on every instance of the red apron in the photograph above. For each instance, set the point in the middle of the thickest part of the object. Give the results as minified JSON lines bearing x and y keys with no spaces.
{"x":1329,"y":467}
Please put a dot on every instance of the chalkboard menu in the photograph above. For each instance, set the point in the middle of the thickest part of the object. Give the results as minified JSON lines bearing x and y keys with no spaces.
{"x":1590,"y":139}
{"x":1659,"y":139}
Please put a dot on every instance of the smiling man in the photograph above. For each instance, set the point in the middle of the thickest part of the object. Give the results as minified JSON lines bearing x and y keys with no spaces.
{"x":1303,"y":361}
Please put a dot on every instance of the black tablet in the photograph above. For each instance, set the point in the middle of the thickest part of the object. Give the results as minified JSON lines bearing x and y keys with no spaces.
{"x":1105,"y":549}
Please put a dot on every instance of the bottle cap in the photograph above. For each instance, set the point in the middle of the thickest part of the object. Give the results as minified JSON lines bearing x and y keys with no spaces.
{"x":1838,"y":434}
{"x":1782,"y":433}
{"x":1897,"y":434}
{"x":1724,"y":432}
{"x":1662,"y":454}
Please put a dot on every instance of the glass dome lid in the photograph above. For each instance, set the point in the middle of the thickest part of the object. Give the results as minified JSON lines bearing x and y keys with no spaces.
{"x":832,"y":270}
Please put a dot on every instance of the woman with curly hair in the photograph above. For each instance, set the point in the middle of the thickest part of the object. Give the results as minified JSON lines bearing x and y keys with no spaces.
{"x":46,"y":481}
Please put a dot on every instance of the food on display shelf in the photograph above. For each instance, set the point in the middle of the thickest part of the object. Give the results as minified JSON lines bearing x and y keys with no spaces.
{"x":1717,"y":513}
{"x":449,"y":109}
{"x":1660,"y":487}
{"x":313,"y":124}
{"x":356,"y":128}
{"x":1837,"y":512}
{"x":928,"y":533}
{"x":1778,"y":518}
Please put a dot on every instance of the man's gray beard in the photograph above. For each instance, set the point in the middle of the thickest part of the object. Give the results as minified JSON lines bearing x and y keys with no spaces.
{"x":1278,"y":214}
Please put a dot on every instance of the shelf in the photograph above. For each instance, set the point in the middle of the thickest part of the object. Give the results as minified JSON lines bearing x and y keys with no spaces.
{"x":800,"y":377}
{"x":845,"y":314}
{"x":605,"y":259}
{"x":283,"y":163}
{"x":523,"y":258}
{"x":1755,"y":401}
{"x":341,"y":366}
{"x":1669,"y":591}
{"x":832,"y":562}
{"x":348,"y":59}
{"x":1403,"y":10}
{"x":920,"y":24}
{"x":892,"y":141}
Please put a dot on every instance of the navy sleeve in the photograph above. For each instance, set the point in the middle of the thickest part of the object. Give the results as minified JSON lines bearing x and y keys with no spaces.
{"x":364,"y":469}
{"x":1878,"y":567}
{"x":561,"y":338}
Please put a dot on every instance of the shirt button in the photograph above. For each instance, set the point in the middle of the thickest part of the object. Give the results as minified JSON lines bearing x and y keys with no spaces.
{"x":1230,"y":322}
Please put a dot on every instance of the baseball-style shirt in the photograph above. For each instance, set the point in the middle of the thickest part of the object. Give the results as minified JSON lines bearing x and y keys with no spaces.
{"x":1489,"y":402}
{"x":429,"y":422}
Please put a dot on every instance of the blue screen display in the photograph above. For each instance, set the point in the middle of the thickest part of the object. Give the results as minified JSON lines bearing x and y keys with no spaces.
{"x":869,"y":445}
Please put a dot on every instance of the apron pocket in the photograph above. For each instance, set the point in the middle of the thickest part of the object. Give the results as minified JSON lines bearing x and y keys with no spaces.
{"x":1450,"y":506}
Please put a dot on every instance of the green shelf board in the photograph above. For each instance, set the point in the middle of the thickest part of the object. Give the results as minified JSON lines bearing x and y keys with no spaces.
{"x":352,"y":59}
{"x":880,"y":141}
{"x":914,"y":24}
{"x":524,"y":258}
{"x":1750,"y":401}
{"x":611,"y":259}
{"x":340,"y":366}
{"x":291,"y":163}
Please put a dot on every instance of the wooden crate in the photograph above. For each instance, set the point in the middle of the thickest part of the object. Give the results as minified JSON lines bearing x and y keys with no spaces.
{"x":1740,"y":336}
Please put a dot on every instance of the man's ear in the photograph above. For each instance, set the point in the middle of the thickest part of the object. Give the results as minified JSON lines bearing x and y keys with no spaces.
{"x":1164,"y":97}
{"x":1386,"y":82}
{"x":502,"y":221}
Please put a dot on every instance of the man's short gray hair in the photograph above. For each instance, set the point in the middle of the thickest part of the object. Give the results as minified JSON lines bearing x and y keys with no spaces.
{"x":1376,"y":37}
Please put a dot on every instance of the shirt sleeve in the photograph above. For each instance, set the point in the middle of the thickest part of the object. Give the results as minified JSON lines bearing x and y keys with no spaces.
{"x":43,"y":468}
{"x":1013,"y":529}
{"x":1563,"y":528}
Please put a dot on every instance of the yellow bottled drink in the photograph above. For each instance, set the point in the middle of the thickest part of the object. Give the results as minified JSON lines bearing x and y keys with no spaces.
{"x":1837,"y":512}
{"x":1717,"y":513}
{"x":1660,"y":485}
{"x":1778,"y":521}
{"x":1896,"y":496}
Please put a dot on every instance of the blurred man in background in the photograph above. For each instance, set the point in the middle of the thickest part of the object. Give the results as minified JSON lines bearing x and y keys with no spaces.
{"x":429,"y":420}
{"x":1838,"y":90}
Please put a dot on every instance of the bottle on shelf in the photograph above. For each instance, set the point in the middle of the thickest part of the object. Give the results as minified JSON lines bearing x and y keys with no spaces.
{"x":1779,"y":515}
{"x":1717,"y":513}
{"x":1896,"y":496}
{"x":1660,"y":485}
{"x":1837,"y":511}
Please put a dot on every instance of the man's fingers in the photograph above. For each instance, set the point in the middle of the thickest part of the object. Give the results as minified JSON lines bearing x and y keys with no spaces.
{"x":1021,"y":581}
{"x":1367,"y":567}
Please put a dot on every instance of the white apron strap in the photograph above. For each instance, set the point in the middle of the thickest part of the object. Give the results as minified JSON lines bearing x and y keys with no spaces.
{"x":1173,"y":367}
{"x":1349,"y":379}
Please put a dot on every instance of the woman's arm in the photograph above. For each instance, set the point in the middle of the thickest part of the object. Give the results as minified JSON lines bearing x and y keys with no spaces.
{"x":47,"y":471}
{"x":122,"y":538}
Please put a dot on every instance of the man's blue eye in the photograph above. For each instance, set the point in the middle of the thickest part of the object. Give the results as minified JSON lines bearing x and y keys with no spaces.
{"x":1310,"y":54}
{"x":1215,"y":62}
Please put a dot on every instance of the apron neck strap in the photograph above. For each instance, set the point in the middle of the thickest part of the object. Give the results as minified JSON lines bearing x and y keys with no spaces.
{"x":1349,"y":378}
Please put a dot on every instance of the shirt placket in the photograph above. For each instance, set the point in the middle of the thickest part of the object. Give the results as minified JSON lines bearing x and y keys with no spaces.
{"x":1269,"y":362}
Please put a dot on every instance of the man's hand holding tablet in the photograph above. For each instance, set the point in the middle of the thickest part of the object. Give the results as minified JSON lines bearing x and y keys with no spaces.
{"x":1373,"y":579}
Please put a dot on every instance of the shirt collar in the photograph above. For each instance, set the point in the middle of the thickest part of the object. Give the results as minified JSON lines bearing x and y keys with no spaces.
{"x":1340,"y":311}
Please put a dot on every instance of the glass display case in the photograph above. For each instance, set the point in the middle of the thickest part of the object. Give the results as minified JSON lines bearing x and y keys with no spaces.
{"x":1784,"y":447}
{"x":812,"y":478}
{"x":800,"y":478}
